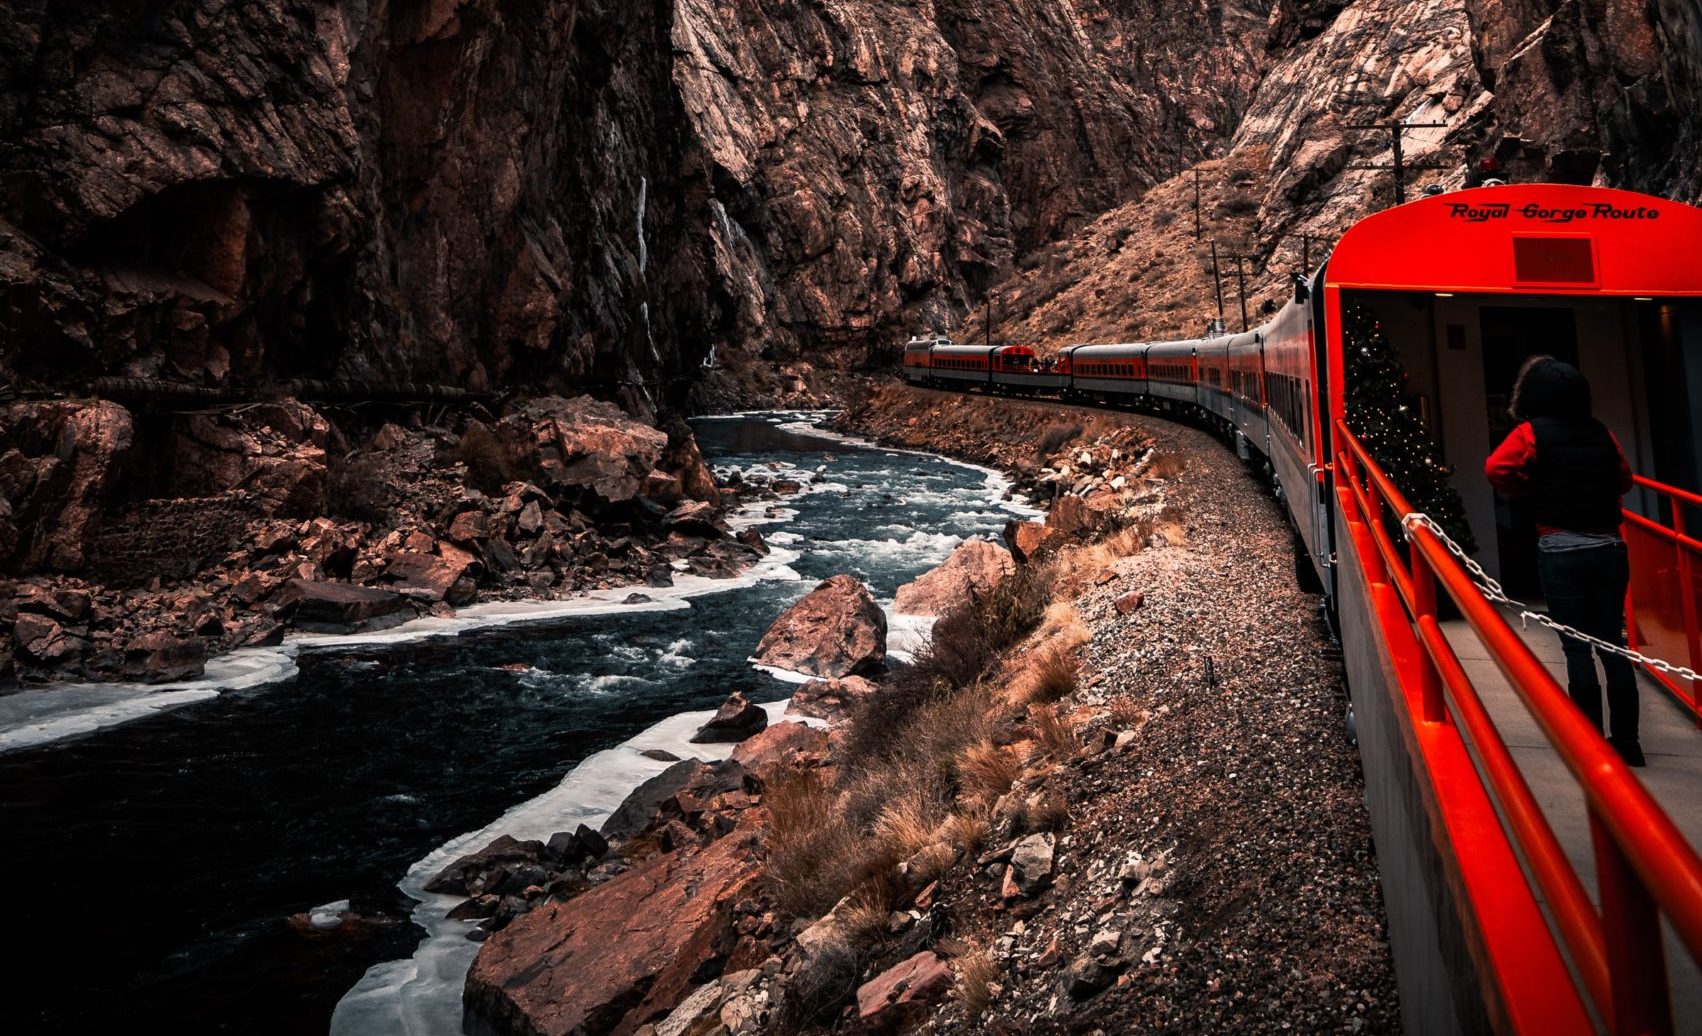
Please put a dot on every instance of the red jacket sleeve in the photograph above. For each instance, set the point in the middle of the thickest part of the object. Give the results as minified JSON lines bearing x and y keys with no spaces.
{"x":1507,"y":469}
{"x":1624,"y":467}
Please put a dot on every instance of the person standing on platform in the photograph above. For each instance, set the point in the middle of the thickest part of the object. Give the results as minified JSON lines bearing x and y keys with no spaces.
{"x":1573,"y":472}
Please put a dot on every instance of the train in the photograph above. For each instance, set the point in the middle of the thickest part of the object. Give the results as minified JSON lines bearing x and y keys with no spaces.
{"x":1464,"y":286}
{"x":1443,"y":273}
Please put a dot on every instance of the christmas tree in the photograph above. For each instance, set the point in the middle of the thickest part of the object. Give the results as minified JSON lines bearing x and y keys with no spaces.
{"x":1385,"y":417}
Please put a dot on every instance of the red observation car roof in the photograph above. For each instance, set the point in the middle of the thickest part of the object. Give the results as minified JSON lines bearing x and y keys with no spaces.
{"x":1526,"y":239}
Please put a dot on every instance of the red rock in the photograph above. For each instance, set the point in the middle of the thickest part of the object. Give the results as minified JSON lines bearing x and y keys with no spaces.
{"x":829,"y":699}
{"x":974,"y":567}
{"x":1129,"y":602}
{"x":736,"y":719}
{"x":42,"y":639}
{"x":469,"y":527}
{"x":161,"y":656}
{"x":582,"y":444}
{"x":340,"y":605}
{"x":429,"y":577}
{"x":902,"y":992}
{"x":63,"y":469}
{"x":624,"y":953}
{"x":778,"y":748}
{"x":837,"y":629}
{"x":1027,"y":539}
{"x":390,"y":437}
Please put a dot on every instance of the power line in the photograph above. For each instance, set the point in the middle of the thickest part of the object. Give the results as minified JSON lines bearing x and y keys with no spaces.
{"x":1396,"y":130}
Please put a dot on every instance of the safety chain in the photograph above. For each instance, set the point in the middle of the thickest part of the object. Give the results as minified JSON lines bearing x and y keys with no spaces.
{"x":1492,"y":590}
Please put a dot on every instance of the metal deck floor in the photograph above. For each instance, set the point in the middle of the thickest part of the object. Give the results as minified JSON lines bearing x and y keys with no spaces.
{"x":1671,"y":743}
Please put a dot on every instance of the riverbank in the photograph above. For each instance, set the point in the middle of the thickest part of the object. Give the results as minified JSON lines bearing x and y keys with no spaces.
{"x":381,"y":750}
{"x":1114,"y":791}
{"x":142,"y":548}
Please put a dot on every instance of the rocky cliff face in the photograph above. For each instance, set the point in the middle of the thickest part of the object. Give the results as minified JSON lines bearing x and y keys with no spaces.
{"x":583,"y":194}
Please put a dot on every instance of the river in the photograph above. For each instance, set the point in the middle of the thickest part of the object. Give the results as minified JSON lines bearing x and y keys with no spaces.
{"x":154,"y":865}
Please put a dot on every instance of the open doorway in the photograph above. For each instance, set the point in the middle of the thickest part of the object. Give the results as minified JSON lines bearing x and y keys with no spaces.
{"x":1510,"y":336}
{"x":1461,"y":353}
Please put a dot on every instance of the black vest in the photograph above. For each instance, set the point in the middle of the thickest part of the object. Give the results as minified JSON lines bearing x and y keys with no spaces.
{"x":1575,"y":480}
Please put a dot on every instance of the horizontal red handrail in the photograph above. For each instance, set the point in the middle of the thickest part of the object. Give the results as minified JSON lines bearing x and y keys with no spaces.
{"x":1662,"y":861}
{"x":1673,"y":491}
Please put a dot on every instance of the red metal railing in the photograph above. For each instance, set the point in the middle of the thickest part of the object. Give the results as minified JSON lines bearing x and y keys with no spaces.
{"x":1645,"y":868}
{"x":1662,"y":604}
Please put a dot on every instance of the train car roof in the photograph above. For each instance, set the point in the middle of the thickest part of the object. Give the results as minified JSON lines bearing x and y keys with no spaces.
{"x":1526,"y":239}
{"x":966,"y":349}
{"x":1111,"y":348}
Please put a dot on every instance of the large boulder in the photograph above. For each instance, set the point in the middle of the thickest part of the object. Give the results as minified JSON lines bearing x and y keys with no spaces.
{"x":1027,"y":539}
{"x":161,"y":656}
{"x":781,"y":747}
{"x":341,"y":607}
{"x":974,"y":567}
{"x":623,"y":954}
{"x":837,"y":629}
{"x":581,"y":444}
{"x":828,"y":699}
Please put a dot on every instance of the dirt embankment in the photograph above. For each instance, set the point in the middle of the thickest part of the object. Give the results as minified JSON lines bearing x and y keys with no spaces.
{"x":1113,"y":793}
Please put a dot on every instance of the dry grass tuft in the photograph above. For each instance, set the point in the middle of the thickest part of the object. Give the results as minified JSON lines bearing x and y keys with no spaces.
{"x":907,"y":826}
{"x":1127,"y":713}
{"x":986,"y":771}
{"x":1053,"y":732}
{"x":864,"y":916}
{"x":1047,"y":812}
{"x":1053,"y":673}
{"x":976,"y":973}
{"x":968,"y":830}
{"x":813,"y":854}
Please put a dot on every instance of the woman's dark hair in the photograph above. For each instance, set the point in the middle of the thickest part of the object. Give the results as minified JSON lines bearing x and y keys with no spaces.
{"x":1547,"y":387}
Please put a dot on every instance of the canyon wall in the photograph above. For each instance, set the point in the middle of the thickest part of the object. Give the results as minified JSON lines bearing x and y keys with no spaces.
{"x":559,"y":194}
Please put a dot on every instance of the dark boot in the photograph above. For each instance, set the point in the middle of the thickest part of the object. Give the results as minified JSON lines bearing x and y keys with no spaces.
{"x":1628,"y":749}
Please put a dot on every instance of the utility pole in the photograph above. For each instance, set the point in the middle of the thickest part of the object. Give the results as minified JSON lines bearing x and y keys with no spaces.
{"x":1217,"y":281}
{"x":1396,"y":131}
{"x":1241,"y":289}
{"x":987,"y":321}
{"x":1197,"y":205}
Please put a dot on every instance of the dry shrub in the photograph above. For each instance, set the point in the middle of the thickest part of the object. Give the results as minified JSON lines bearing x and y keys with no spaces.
{"x":986,"y":771}
{"x":1054,"y":436}
{"x":976,"y":972}
{"x":863,"y":916}
{"x":1167,"y":465}
{"x":823,"y":982}
{"x":907,"y":826}
{"x":1053,"y":732}
{"x":814,"y":855}
{"x":968,"y":639}
{"x":1128,"y":540}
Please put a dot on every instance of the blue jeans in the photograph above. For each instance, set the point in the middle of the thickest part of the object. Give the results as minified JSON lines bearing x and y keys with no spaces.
{"x":1586,"y":590}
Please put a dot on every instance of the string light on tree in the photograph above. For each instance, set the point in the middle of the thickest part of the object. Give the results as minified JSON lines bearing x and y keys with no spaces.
{"x":1379,"y":411}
